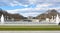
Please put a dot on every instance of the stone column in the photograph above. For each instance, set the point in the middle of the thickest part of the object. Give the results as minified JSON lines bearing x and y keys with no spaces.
{"x":2,"y":19}
{"x":57,"y":19}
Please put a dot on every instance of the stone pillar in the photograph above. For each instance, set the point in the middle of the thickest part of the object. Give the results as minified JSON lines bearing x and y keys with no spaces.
{"x":57,"y":19}
{"x":47,"y":19}
{"x":2,"y":19}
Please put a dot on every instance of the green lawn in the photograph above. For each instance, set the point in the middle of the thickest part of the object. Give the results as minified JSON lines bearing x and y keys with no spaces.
{"x":40,"y":27}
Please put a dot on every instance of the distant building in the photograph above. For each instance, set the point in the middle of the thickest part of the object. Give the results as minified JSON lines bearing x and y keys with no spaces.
{"x":31,"y":19}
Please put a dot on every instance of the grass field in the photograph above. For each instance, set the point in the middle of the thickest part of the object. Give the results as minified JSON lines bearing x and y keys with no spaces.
{"x":40,"y":27}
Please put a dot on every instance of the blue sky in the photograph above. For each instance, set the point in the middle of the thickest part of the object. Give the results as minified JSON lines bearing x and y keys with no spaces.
{"x":29,"y":7}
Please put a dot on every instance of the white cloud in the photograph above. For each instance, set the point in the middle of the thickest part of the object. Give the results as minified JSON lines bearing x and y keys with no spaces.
{"x":40,"y":5}
{"x":29,"y":11}
{"x":55,"y":8}
{"x":30,"y":14}
{"x":22,"y":10}
{"x":32,"y":1}
{"x":43,"y":5}
{"x":15,"y":3}
{"x":26,"y":2}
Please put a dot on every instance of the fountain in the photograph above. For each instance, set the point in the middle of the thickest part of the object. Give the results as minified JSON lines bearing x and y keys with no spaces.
{"x":2,"y":19}
{"x":57,"y":19}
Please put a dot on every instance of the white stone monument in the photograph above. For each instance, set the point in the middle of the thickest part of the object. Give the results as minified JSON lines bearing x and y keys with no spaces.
{"x":57,"y":19}
{"x":47,"y":19}
{"x":2,"y":19}
{"x":52,"y":20}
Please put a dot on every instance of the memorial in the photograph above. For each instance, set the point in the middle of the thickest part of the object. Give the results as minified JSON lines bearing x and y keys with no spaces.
{"x":2,"y":19}
{"x":57,"y":19}
{"x":47,"y":21}
{"x":7,"y":18}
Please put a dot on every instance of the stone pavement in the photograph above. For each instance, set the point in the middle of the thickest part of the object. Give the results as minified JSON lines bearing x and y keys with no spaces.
{"x":29,"y":31}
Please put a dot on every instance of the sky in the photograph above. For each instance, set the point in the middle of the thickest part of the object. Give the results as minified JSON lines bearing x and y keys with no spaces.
{"x":29,"y":7}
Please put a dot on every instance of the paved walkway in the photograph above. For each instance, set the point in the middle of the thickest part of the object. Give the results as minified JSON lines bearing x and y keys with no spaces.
{"x":29,"y":31}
